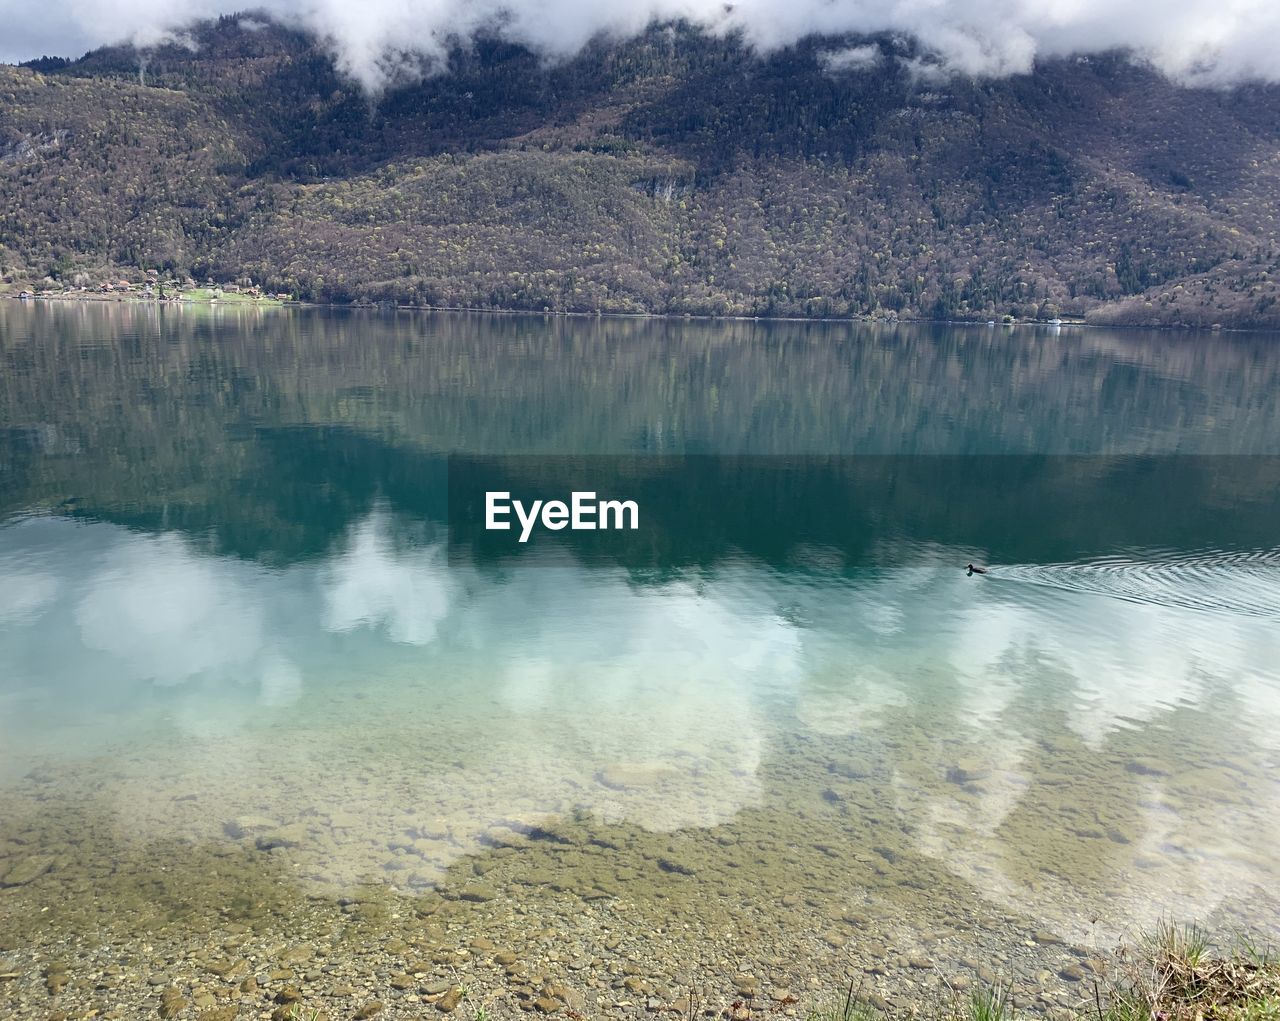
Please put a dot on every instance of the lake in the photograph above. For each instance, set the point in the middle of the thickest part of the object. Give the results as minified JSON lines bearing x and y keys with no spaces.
{"x":268,"y":719}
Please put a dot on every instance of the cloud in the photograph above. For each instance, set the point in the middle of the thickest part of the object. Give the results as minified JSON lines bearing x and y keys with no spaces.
{"x":647,"y":708}
{"x":403,"y":710}
{"x":1195,"y":41}
{"x":852,"y":58}
{"x":25,"y":594}
{"x":170,"y":613}
{"x":371,"y":584}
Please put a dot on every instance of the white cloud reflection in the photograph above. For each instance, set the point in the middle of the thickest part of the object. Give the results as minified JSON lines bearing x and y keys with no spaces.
{"x":433,"y":704}
{"x":25,"y":594}
{"x":648,"y":697}
{"x":1115,"y":670}
{"x":372,"y":584}
{"x":167,"y":613}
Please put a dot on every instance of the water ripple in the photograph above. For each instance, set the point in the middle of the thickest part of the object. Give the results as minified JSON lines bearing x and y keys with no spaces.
{"x":1245,"y":582}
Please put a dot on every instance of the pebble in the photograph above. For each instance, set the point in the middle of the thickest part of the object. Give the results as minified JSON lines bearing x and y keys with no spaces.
{"x":172,"y":1003}
{"x":450,"y":1000}
{"x":681,"y":915}
{"x":298,"y":955}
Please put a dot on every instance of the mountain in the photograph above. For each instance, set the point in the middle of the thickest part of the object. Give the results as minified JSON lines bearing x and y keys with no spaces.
{"x":672,"y":172}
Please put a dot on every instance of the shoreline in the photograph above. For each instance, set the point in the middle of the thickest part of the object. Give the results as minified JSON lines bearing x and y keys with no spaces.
{"x":656,"y":316}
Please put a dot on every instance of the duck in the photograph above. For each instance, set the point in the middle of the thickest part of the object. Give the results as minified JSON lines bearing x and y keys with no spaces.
{"x":975,"y":569}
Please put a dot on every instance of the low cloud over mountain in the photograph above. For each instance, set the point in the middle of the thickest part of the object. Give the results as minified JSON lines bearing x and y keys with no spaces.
{"x":377,"y":41}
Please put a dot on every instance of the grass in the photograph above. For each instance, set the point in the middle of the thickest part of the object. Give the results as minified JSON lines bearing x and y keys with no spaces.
{"x":225,"y":297}
{"x":1180,"y":975}
{"x":1177,"y":973}
{"x":850,"y":1008}
{"x":1188,"y":944}
{"x":991,"y":1003}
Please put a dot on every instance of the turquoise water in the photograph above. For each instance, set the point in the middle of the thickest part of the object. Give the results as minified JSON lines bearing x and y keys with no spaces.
{"x":229,"y":617}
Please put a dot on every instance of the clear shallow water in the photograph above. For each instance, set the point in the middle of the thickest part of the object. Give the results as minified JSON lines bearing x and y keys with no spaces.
{"x":229,"y":623}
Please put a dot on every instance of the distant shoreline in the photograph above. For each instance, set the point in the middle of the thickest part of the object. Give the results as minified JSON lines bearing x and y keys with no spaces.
{"x":237,"y":301}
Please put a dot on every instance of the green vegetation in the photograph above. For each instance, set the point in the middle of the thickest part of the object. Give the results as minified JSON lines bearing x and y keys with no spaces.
{"x":1178,"y":974}
{"x":991,"y":1003}
{"x":672,"y":173}
{"x":226,"y":297}
{"x":849,"y":1008}
{"x":1175,"y":974}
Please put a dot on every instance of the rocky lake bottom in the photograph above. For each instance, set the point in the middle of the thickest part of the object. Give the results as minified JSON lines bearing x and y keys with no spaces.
{"x":909,"y":865}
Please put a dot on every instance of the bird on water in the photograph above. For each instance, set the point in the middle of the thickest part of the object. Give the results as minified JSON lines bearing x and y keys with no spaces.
{"x":974,"y":569}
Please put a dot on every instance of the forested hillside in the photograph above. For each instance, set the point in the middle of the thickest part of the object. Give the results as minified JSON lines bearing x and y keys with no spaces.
{"x":669,"y":173}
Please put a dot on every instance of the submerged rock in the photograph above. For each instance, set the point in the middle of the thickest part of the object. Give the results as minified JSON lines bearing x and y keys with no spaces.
{"x":55,"y":978}
{"x":450,"y":1000}
{"x":967,"y":771}
{"x":299,"y":954}
{"x":27,"y":869}
{"x":1146,"y":767}
{"x":680,"y":868}
{"x":293,"y":835}
{"x":852,"y":769}
{"x":623,"y":776}
{"x":172,"y":1003}
{"x":478,"y":893}
{"x":248,"y":825}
